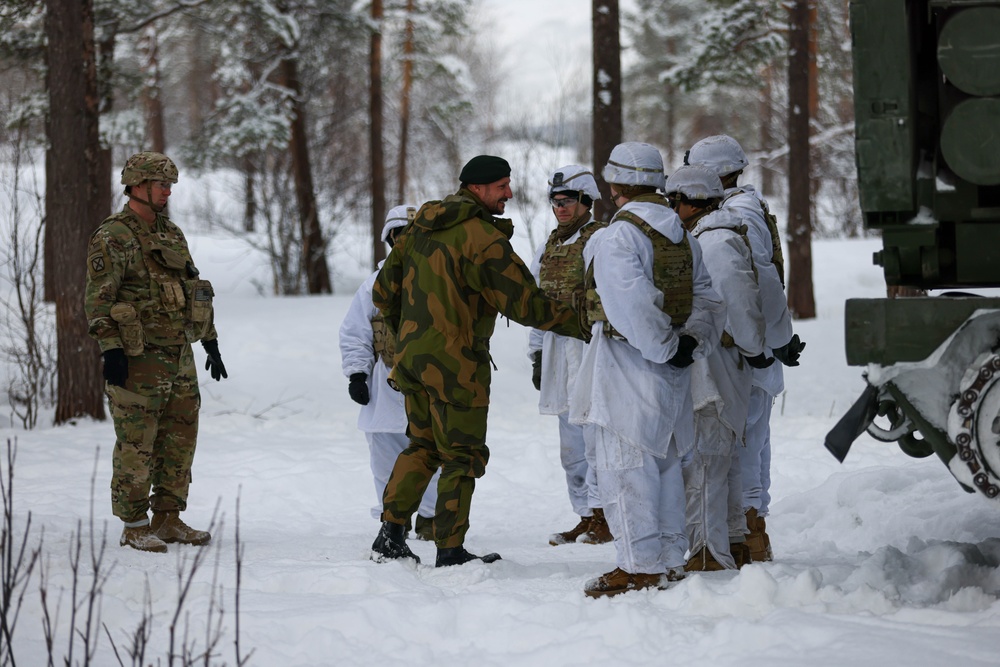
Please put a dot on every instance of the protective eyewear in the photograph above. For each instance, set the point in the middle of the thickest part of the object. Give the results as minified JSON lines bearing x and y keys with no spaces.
{"x":563,"y":201}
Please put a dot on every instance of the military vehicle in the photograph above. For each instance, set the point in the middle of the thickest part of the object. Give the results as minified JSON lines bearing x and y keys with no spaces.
{"x":927,"y":113}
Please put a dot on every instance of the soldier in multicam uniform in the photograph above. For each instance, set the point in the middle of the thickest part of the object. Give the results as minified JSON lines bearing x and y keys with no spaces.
{"x":558,"y":267}
{"x":366,"y":357}
{"x":720,"y":383}
{"x":654,"y":311}
{"x":724,"y":155}
{"x":452,"y":271}
{"x":145,"y":305}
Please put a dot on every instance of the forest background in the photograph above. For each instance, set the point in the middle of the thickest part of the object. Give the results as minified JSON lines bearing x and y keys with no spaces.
{"x":321,"y":114}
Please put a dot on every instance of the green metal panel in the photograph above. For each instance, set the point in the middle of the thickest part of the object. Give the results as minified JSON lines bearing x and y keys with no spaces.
{"x":977,"y":245}
{"x":887,"y":331}
{"x":967,"y":50}
{"x":884,"y":145}
{"x":970,"y":140}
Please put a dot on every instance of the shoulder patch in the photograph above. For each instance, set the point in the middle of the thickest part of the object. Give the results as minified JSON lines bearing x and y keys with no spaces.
{"x":97,"y":263}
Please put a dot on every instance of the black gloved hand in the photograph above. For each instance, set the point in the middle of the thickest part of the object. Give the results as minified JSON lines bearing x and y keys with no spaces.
{"x":788,"y":354}
{"x":115,"y":366}
{"x":760,"y":361}
{"x":683,"y":358}
{"x":214,"y":363}
{"x":358,"y":389}
{"x":536,"y":369}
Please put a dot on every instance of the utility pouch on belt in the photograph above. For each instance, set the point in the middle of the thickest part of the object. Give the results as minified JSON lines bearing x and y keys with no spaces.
{"x":129,"y":328}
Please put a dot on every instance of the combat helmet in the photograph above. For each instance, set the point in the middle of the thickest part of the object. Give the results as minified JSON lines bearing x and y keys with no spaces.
{"x":574,"y":178}
{"x":720,"y":153}
{"x":695,"y":183}
{"x":398,"y":216}
{"x":149,"y":166}
{"x":634,"y":163}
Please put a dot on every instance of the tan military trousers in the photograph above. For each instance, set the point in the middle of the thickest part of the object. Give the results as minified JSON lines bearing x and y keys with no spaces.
{"x":156,"y":424}
{"x":445,"y":436}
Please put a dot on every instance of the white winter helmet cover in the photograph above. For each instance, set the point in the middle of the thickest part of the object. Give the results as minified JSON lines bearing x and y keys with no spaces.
{"x":720,"y":152}
{"x":574,"y":178}
{"x":695,"y":183}
{"x":635,"y":163}
{"x":398,"y":216}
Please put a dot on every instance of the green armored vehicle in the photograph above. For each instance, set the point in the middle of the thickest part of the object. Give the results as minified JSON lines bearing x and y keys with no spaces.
{"x":927,"y":109}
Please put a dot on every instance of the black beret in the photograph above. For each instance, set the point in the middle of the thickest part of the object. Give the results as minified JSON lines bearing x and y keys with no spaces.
{"x":484,"y":169}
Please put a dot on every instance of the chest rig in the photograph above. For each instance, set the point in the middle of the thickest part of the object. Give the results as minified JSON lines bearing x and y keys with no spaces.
{"x":561,"y":275}
{"x":673,"y":275}
{"x":180,"y":305}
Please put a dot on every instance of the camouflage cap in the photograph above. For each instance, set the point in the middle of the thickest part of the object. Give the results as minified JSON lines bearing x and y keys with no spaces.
{"x":148,"y":166}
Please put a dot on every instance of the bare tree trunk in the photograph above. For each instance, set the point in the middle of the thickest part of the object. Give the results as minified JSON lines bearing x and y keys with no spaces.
{"x":404,"y":110}
{"x":607,"y":128}
{"x":313,"y":245}
{"x":73,"y":189}
{"x":766,"y":135}
{"x":250,"y":194}
{"x":151,"y":94}
{"x":801,"y":301}
{"x":375,"y":139}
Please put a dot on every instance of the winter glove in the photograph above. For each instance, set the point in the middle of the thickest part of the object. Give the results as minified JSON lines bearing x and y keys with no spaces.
{"x":760,"y":361}
{"x":683,"y":358}
{"x":788,"y":354}
{"x":536,"y":369}
{"x":214,"y":363}
{"x":358,"y":389}
{"x":115,"y":366}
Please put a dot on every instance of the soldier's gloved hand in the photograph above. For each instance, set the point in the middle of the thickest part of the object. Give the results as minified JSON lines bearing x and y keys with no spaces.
{"x":760,"y":361}
{"x":115,"y":366}
{"x":214,"y":363}
{"x":788,"y":354}
{"x":685,"y":347}
{"x":536,"y":369}
{"x":358,"y":389}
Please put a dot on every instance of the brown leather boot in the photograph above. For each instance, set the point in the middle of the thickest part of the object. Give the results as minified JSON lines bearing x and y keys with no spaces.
{"x":142,"y":538}
{"x":169,"y":528}
{"x":741,"y":553}
{"x":758,"y":541}
{"x":570,"y":536}
{"x":618,"y":581}
{"x":598,"y":532}
{"x":703,"y":561}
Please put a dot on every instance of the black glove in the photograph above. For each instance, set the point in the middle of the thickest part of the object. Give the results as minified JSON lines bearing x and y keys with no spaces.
{"x":683,"y":358}
{"x":536,"y":369}
{"x":788,"y":354}
{"x":214,"y":362}
{"x":358,"y":389}
{"x":760,"y":361}
{"x":115,"y":366}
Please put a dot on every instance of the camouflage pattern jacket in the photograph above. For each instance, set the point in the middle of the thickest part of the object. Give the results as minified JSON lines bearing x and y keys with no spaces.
{"x":449,"y":275}
{"x":149,"y":267}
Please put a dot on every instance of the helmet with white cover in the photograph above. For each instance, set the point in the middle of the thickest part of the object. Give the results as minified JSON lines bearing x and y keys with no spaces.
{"x":695,"y":183}
{"x":574,"y":178}
{"x":398,"y":216}
{"x":720,"y":153}
{"x":634,"y":163}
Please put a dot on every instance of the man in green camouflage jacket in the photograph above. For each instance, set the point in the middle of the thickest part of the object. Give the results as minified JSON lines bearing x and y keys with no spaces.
{"x":452,"y":271}
{"x":145,"y":306}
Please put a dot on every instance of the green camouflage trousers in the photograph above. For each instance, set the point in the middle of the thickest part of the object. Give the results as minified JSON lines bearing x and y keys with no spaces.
{"x":156,"y":424}
{"x":445,"y":436}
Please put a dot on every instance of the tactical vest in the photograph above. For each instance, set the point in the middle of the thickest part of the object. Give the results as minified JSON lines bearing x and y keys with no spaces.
{"x":673,"y":275}
{"x":777,"y":256}
{"x":382,"y":340}
{"x":561,"y":274}
{"x":174,"y":289}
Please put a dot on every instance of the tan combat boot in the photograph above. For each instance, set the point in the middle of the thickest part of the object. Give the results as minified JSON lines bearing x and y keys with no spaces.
{"x":599,"y":532}
{"x":169,"y":528}
{"x":619,"y":581}
{"x":703,"y":561}
{"x":570,"y":536}
{"x":741,"y":553}
{"x":142,"y":538}
{"x":757,"y":540}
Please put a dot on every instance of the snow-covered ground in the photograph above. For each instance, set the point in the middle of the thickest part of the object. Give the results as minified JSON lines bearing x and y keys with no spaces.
{"x":881,"y":560}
